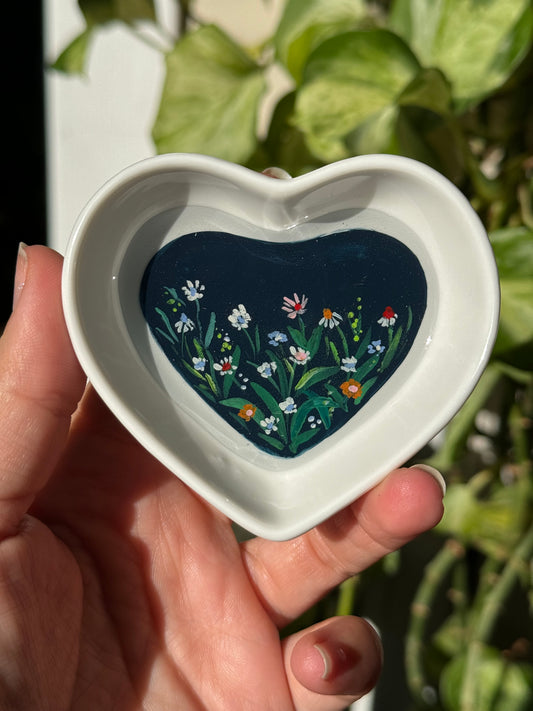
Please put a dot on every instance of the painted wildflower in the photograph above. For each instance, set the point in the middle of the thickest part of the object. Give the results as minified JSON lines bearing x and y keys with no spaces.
{"x":225,"y":366}
{"x":294,"y":307}
{"x":276,"y":337}
{"x":198,"y":363}
{"x":388,"y":318}
{"x":267,"y":370}
{"x":314,"y":422}
{"x":329,"y":318}
{"x":247,"y":412}
{"x":351,"y":388}
{"x":184,"y":324}
{"x":269,"y":424}
{"x":239,"y":318}
{"x":299,"y":355}
{"x":376,"y":347}
{"x":348,"y":364}
{"x":193,"y":290}
{"x":288,"y":406}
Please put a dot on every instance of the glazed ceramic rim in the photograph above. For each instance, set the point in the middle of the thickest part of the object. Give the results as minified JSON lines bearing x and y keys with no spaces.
{"x":276,"y":195}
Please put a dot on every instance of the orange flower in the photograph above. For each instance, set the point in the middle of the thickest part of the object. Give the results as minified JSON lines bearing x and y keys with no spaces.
{"x":351,"y":388}
{"x":247,"y":412}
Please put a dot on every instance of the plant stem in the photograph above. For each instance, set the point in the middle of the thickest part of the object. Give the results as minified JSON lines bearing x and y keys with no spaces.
{"x":494,"y":601}
{"x":436,"y":571}
{"x":347,"y":593}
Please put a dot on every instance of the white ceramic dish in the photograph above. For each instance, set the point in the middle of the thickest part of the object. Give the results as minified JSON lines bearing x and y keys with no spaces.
{"x":159,"y":203}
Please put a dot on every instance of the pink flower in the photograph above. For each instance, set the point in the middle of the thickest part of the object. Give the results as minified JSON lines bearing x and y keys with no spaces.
{"x":295,"y":306}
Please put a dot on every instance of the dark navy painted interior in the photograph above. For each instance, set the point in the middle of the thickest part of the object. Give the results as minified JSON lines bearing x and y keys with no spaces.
{"x":354,"y":301}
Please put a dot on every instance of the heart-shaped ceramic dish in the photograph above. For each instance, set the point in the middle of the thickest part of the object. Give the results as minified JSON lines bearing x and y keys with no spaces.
{"x":280,"y":345}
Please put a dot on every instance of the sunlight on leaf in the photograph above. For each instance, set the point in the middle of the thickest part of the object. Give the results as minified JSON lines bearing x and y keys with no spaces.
{"x":210,"y":98}
{"x":307,"y":23}
{"x":349,"y":80}
{"x":476,"y":44}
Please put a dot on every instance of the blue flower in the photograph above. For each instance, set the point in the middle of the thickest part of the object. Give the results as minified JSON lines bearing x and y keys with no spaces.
{"x":193,"y":291}
{"x":239,"y":318}
{"x":267,"y":369}
{"x":276,"y":337}
{"x":348,"y":364}
{"x":184,"y":324}
{"x":269,"y":424}
{"x":288,"y":406}
{"x":199,"y":363}
{"x":376,"y":347}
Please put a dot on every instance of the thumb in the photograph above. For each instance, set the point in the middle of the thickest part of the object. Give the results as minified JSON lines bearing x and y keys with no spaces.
{"x":40,"y":384}
{"x":332,"y":664}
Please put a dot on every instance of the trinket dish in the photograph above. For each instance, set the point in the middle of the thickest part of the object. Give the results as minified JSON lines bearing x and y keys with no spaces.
{"x":280,"y":345}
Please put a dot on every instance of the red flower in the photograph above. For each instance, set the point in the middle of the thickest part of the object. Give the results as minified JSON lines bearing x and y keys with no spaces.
{"x":388,"y":318}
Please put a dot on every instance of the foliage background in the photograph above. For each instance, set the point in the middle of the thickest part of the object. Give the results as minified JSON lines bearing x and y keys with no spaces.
{"x":447,"y":82}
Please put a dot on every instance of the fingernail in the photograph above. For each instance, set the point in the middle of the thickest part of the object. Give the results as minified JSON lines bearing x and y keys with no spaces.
{"x":278,"y":173}
{"x":20,"y":273}
{"x":434,"y":473}
{"x":326,"y":660}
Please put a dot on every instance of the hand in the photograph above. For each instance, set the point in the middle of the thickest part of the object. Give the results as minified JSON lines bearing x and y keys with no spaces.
{"x":122,"y":590}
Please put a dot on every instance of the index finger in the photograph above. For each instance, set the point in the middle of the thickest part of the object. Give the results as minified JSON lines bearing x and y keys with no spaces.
{"x":41,"y":383}
{"x":289,"y":577}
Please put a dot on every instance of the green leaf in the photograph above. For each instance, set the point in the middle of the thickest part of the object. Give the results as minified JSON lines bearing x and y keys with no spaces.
{"x":210,"y":329}
{"x":210,"y":98}
{"x":429,"y":90}
{"x":315,"y":375}
{"x":391,"y":350}
{"x":299,"y":418}
{"x":301,"y":439}
{"x":476,"y":44}
{"x":275,"y":443}
{"x":306,"y":23}
{"x":513,"y":250}
{"x":459,"y":429}
{"x":98,"y":12}
{"x":73,"y":58}
{"x":273,"y":405}
{"x":298,"y":337}
{"x":500,"y":685}
{"x":238,"y":403}
{"x":365,"y":368}
{"x":167,"y":323}
{"x":349,"y":82}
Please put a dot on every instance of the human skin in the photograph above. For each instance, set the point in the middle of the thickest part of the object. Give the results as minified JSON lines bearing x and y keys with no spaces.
{"x":122,"y":590}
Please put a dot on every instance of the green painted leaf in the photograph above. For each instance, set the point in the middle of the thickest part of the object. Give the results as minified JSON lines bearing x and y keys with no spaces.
{"x":275,"y":443}
{"x":316,"y":375}
{"x":391,"y":350}
{"x":210,"y":329}
{"x":348,"y":81}
{"x":302,"y":438}
{"x":73,"y":58}
{"x":306,"y":23}
{"x":210,"y":98}
{"x":167,"y":323}
{"x":273,"y":406}
{"x":365,"y":368}
{"x":477,"y":45}
{"x":239,"y":403}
